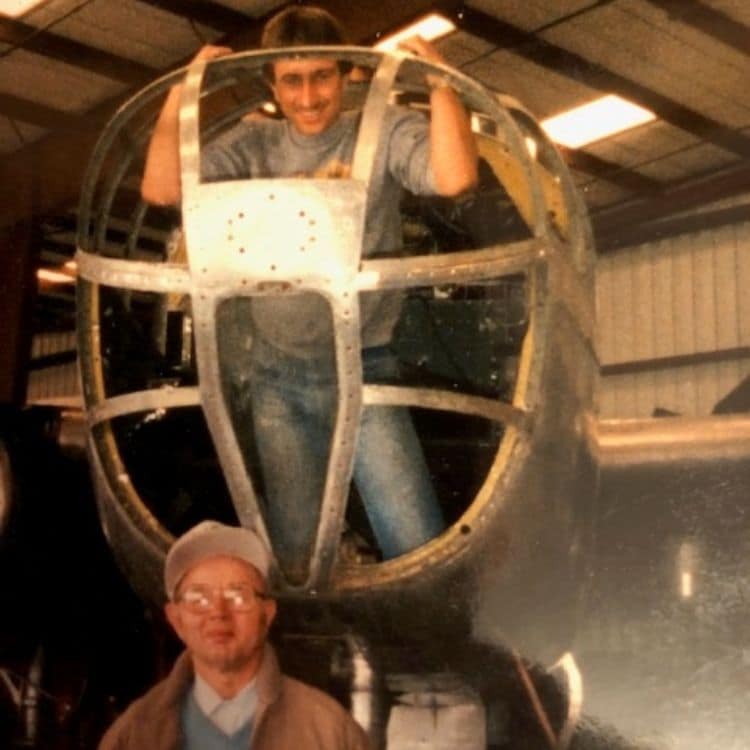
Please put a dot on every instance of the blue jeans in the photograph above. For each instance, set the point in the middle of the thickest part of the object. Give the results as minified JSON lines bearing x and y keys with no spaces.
{"x":293,"y":406}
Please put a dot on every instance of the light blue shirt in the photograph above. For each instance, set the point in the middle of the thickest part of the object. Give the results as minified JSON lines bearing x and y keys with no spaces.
{"x":227,"y":714}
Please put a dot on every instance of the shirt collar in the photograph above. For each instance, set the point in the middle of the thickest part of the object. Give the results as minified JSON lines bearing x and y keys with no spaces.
{"x":205,"y":696}
{"x":319,"y":140}
{"x":229,"y":714}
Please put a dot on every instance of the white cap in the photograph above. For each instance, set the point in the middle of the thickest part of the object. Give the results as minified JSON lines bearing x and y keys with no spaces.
{"x":210,"y":539}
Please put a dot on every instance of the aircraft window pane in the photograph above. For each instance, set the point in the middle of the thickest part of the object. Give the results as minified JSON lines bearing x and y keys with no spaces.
{"x":146,"y":341}
{"x":550,"y":173}
{"x":417,"y":436}
{"x":485,"y":217}
{"x":408,"y":488}
{"x":463,"y":337}
{"x":172,"y":464}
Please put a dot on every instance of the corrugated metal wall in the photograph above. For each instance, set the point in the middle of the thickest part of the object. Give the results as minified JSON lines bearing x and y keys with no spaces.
{"x":673,"y":301}
{"x":57,"y":384}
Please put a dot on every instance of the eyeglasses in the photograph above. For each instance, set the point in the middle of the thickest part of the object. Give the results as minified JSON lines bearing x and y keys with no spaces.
{"x":238,"y":598}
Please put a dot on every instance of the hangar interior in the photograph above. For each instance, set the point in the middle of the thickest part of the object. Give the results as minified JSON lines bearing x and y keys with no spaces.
{"x":661,"y":643}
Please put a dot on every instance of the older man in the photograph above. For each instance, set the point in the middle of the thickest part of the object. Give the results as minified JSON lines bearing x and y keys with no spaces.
{"x":226,"y":691}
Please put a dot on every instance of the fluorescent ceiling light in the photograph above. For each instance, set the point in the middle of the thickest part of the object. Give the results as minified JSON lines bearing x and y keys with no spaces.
{"x":531,"y":146}
{"x":429,"y":27}
{"x":686,"y":585}
{"x":596,"y":120}
{"x":17,"y":7}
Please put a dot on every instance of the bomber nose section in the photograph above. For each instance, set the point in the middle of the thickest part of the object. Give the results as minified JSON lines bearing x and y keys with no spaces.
{"x":262,"y":304}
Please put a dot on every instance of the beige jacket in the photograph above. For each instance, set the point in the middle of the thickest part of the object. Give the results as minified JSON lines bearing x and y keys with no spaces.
{"x":290,"y":716}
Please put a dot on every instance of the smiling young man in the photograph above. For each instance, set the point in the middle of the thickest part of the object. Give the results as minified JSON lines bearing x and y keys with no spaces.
{"x":309,"y":93}
{"x":226,"y":691}
{"x":277,"y":352}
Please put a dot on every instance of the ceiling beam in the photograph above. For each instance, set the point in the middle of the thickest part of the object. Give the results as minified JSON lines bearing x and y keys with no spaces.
{"x":211,"y":14}
{"x":672,"y":227}
{"x":602,"y":169}
{"x":611,"y":223}
{"x":534,"y":48}
{"x":71,"y":52}
{"x":709,"y":21}
{"x":37,"y":114}
{"x":366,"y":22}
{"x":46,"y":175}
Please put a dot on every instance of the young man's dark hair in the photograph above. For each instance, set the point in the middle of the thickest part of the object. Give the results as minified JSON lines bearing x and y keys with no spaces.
{"x":301,"y":26}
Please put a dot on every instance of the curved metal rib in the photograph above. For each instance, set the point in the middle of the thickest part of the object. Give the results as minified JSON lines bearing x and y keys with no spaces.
{"x":343,"y":442}
{"x":133,"y":274}
{"x":189,"y":127}
{"x":449,"y":268}
{"x":372,"y":118}
{"x":431,"y":398}
{"x":167,"y":397}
